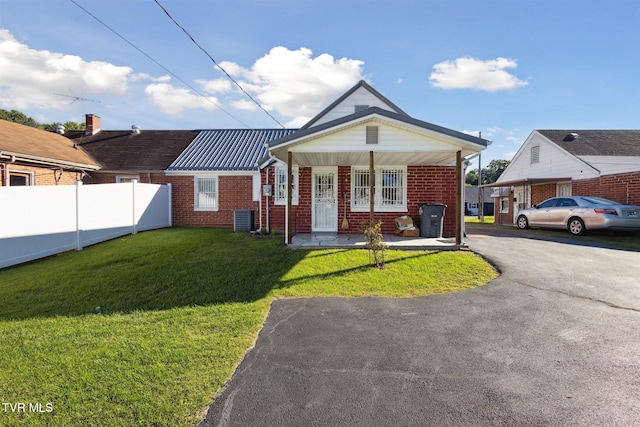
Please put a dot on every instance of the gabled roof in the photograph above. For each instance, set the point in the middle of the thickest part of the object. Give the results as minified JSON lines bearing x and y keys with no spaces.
{"x":150,"y":150}
{"x":471,"y":193}
{"x":373,"y":111}
{"x":596,"y":142}
{"x":31,"y":145}
{"x":360,"y":84}
{"x":227,"y":150}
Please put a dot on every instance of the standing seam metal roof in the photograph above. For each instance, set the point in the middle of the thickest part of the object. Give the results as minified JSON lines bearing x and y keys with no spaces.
{"x":227,"y":149}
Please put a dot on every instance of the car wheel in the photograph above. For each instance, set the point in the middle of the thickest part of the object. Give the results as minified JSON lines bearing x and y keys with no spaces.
{"x":576,"y":226}
{"x":523,"y":222}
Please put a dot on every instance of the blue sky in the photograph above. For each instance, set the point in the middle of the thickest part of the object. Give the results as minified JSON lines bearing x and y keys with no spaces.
{"x":503,"y":68}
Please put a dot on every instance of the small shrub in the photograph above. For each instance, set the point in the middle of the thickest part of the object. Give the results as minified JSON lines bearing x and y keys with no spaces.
{"x":375,"y":243}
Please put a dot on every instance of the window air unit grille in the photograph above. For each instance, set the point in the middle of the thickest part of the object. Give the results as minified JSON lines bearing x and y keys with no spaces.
{"x":243,"y":220}
{"x":372,"y":134}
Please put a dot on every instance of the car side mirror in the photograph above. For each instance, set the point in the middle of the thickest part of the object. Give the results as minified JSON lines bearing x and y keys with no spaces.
{"x":536,"y":206}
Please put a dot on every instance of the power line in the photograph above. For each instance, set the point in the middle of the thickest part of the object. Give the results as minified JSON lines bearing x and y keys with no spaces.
{"x":216,"y":64}
{"x":160,"y":65}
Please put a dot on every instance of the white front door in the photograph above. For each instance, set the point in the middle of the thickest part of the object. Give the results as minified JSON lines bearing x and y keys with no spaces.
{"x":325,"y":203}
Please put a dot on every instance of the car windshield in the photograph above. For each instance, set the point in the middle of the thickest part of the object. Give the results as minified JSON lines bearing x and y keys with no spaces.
{"x":599,"y":201}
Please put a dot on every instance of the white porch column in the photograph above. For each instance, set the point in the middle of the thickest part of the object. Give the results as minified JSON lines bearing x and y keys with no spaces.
{"x":289,"y":230}
{"x":371,"y":189}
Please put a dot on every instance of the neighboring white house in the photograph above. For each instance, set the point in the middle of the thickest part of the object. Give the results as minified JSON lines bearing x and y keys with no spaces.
{"x":552,"y":163}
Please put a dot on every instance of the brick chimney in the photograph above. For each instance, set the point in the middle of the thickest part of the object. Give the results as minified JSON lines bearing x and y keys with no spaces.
{"x":92,"y":124}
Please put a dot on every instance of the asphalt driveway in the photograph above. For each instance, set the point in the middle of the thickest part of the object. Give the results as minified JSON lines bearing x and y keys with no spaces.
{"x":555,"y":340}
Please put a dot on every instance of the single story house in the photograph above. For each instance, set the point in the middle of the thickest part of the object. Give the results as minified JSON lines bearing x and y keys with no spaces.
{"x":213,"y":173}
{"x":127,"y":155}
{"x":300,"y":180}
{"x":550,"y":163}
{"x":364,"y":159}
{"x":31,"y":156}
{"x":472,"y":202}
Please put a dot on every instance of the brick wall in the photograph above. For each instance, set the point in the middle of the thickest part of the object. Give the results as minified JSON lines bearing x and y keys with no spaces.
{"x":542,"y":192}
{"x":503,"y":218}
{"x":234,"y":192}
{"x":425,"y":184}
{"x":624,"y":187}
{"x":42,"y":176}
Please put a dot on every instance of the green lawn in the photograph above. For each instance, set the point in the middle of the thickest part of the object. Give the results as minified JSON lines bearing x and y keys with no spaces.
{"x":474,"y":219}
{"x":178,"y":309}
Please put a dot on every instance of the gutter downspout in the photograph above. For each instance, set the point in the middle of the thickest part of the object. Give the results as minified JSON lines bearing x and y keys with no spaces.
{"x":5,"y":174}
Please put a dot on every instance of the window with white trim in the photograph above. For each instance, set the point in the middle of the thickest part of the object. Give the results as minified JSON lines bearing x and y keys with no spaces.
{"x":281,"y":185}
{"x":563,"y":189}
{"x":127,"y":178}
{"x":504,"y":204}
{"x":206,"y":193}
{"x":390,"y":189}
{"x":18,"y":178}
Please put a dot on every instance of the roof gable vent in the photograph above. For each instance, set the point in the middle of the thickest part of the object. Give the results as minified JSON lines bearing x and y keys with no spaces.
{"x":372,"y":135}
{"x":359,"y":108}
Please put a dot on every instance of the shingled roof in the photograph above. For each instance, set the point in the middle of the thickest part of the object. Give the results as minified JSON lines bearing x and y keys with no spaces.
{"x":31,"y":145}
{"x":227,"y":149}
{"x":149,"y":150}
{"x":596,"y":142}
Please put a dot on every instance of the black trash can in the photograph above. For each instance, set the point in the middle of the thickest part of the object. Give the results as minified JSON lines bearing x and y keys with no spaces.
{"x":431,"y":219}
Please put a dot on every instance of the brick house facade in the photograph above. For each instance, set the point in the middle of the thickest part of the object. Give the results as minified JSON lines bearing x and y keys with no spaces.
{"x":604,"y":163}
{"x":30,"y":156}
{"x":216,"y":172}
{"x":414,"y":163}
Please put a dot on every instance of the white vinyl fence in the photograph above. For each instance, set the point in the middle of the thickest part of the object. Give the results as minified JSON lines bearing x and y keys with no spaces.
{"x":39,"y":221}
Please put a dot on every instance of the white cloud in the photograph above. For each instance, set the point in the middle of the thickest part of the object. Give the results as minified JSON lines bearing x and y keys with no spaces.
{"x":294,"y":83}
{"x":173,"y":101}
{"x":514,"y":139}
{"x":472,"y":73}
{"x":509,"y":155}
{"x":215,"y":86}
{"x":30,"y":78}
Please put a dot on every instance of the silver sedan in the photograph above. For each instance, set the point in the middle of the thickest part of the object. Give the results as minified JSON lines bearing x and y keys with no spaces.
{"x":579,"y":214}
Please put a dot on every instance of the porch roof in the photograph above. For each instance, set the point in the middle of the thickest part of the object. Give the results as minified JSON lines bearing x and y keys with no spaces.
{"x":437,"y":145}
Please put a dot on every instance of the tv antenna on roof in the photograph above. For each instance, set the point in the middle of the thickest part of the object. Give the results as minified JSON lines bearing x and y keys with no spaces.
{"x":76,"y":98}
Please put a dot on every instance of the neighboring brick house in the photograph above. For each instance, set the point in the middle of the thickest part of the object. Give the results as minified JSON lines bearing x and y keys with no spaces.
{"x":30,"y":156}
{"x":212,"y":172}
{"x":551,"y":163}
{"x":413,"y":163}
{"x":135,"y":154}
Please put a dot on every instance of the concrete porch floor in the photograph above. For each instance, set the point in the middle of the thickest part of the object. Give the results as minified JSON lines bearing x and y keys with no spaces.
{"x":354,"y":241}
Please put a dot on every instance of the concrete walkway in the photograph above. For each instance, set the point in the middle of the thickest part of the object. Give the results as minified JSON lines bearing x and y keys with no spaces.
{"x":333,"y":240}
{"x":555,"y":340}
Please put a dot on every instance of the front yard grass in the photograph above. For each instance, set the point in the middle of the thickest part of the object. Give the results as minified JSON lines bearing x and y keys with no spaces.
{"x":146,"y":329}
